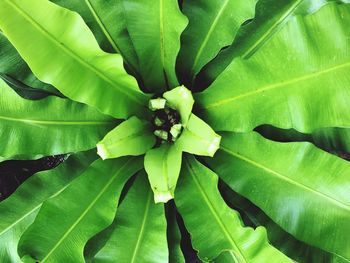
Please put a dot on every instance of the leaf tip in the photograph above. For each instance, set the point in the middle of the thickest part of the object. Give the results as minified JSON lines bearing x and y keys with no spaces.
{"x":214,"y":145}
{"x":163,"y":197}
{"x":102,"y":151}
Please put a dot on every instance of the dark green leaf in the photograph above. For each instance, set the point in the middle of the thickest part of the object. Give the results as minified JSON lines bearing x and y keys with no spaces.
{"x":289,"y":83}
{"x":214,"y":227}
{"x":295,"y":184}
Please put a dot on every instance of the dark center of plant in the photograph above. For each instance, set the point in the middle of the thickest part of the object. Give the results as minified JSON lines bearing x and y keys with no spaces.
{"x":166,"y":121}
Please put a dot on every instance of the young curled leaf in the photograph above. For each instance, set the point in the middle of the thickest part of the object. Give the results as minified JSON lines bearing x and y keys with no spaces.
{"x":198,"y":138}
{"x":132,"y":137}
{"x":180,"y":99}
{"x":163,"y":166}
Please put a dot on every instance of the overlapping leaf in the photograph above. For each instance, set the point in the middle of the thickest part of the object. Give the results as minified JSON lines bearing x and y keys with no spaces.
{"x":47,"y":127}
{"x":83,"y":209}
{"x":18,"y":75}
{"x":64,"y":53}
{"x":285,"y":242}
{"x":292,"y":88}
{"x":270,"y":17}
{"x":139,"y":229}
{"x":155,"y":28}
{"x":212,"y":26}
{"x":295,"y":184}
{"x":214,"y":227}
{"x":20,"y":209}
{"x":173,"y":235}
{"x":100,"y":16}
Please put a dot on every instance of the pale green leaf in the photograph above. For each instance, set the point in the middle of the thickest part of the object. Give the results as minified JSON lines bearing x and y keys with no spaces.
{"x":155,"y":28}
{"x":198,"y":138}
{"x":212,"y":26}
{"x":83,"y":209}
{"x":295,"y":184}
{"x":293,"y":87}
{"x":213,"y":226}
{"x":180,"y":99}
{"x":139,"y":233}
{"x":132,"y":137}
{"x":64,"y":53}
{"x":163,"y":166}
{"x":19,"y":210}
{"x":47,"y":127}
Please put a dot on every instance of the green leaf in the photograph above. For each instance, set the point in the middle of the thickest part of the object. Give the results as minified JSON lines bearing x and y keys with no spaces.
{"x":83,"y":209}
{"x":163,"y":166}
{"x":283,"y":241}
{"x":291,"y":88}
{"x":23,"y":90}
{"x":212,"y":26}
{"x":198,"y":138}
{"x":332,"y":139}
{"x":67,"y":56}
{"x":19,"y":210}
{"x":13,"y":69}
{"x":131,"y":137}
{"x":173,"y":235}
{"x":100,"y":16}
{"x":180,"y":99}
{"x":155,"y":28}
{"x":279,"y":179}
{"x":197,"y":199}
{"x":140,"y":229}
{"x":271,"y":16}
{"x":92,"y":19}
{"x":47,"y":127}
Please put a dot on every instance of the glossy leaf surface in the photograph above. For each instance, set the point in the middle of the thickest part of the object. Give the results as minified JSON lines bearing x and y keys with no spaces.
{"x":270,"y":17}
{"x":83,"y":209}
{"x":212,"y":26}
{"x":47,"y":127}
{"x":291,"y":191}
{"x":163,"y":166}
{"x":293,"y":88}
{"x":20,"y":209}
{"x":131,"y":137}
{"x":140,"y":229}
{"x":64,"y":53}
{"x":198,"y":138}
{"x":14,"y":69}
{"x":100,"y":16}
{"x":155,"y":28}
{"x":198,"y":198}
{"x":282,"y":240}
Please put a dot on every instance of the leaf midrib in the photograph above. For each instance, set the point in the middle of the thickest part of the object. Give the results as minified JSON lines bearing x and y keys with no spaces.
{"x":90,"y":206}
{"x":31,"y":211}
{"x":271,"y":29}
{"x":52,"y":122}
{"x":142,"y":229}
{"x":76,"y":57}
{"x":214,"y":212}
{"x":207,"y":37}
{"x":274,"y":86}
{"x":287,"y":179}
{"x":102,"y":26}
